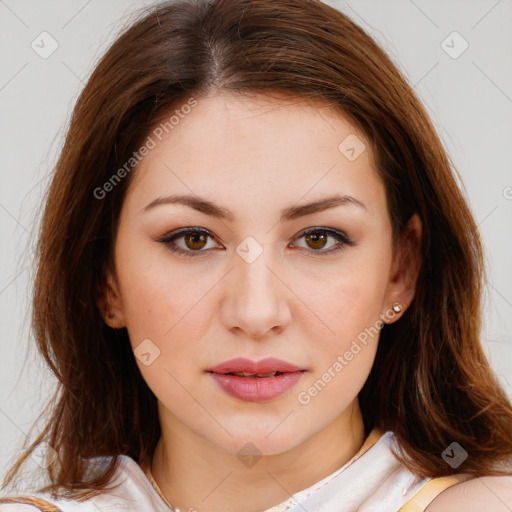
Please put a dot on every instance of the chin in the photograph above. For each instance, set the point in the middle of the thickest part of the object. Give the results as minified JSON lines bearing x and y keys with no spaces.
{"x":265,"y":440}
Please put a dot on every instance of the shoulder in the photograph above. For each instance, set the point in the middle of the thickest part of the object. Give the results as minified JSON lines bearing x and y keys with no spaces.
{"x":481,"y":493}
{"x":131,"y":491}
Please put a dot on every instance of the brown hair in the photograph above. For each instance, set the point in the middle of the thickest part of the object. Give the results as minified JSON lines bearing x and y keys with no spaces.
{"x":430,"y":384}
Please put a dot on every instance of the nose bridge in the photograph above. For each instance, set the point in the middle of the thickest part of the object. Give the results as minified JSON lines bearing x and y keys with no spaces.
{"x":254,"y":278}
{"x":257,"y":295}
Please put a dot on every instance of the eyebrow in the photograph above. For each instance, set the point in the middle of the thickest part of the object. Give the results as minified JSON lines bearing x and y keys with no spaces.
{"x":291,"y":213}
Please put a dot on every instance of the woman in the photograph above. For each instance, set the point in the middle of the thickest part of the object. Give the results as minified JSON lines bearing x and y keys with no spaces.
{"x":323,"y":353}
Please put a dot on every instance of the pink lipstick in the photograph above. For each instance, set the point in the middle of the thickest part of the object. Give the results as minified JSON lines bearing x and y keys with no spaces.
{"x":256,"y":381}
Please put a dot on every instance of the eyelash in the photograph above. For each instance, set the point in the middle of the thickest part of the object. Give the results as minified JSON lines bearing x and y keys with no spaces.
{"x":168,"y":240}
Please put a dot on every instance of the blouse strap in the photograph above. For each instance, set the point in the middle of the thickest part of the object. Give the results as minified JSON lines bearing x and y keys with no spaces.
{"x":370,"y":440}
{"x":430,"y":490}
{"x":39,"y":503}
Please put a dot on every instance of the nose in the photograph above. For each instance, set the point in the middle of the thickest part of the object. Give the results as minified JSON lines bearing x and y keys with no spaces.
{"x":257,"y":296}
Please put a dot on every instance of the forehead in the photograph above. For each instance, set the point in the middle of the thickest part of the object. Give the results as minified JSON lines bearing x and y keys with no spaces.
{"x":258,"y":150}
{"x":273,"y":123}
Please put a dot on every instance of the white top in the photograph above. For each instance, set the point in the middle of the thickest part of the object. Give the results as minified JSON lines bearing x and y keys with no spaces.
{"x":372,"y":481}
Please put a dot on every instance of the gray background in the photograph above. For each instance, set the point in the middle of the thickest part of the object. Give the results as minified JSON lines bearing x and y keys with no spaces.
{"x":469,"y":99}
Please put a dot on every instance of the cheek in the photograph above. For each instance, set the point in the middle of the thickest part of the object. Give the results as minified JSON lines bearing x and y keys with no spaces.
{"x":157,"y":295}
{"x":346,"y":298}
{"x":166,"y":316}
{"x":169,"y":307}
{"x":342,"y":364}
{"x":344,"y":352}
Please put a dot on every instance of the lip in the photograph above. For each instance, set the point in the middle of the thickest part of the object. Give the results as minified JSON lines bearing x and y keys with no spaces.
{"x":266,"y":365}
{"x":256,"y":389}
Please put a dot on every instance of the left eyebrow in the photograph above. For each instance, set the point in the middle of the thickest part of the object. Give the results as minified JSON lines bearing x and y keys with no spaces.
{"x":291,"y":213}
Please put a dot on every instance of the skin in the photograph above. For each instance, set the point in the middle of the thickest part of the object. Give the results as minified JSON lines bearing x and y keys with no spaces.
{"x":256,"y":156}
{"x":482,"y":493}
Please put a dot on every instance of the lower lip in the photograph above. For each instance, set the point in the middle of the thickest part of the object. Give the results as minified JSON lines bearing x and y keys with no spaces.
{"x":257,"y":389}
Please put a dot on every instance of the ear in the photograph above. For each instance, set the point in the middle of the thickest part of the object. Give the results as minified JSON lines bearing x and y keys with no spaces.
{"x":405,"y":270}
{"x":109,"y":300}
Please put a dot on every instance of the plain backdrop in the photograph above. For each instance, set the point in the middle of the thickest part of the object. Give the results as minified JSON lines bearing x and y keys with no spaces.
{"x":464,"y":79}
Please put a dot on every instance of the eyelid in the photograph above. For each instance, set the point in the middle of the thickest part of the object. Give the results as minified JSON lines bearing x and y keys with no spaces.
{"x":343,"y":239}
{"x":168,"y":239}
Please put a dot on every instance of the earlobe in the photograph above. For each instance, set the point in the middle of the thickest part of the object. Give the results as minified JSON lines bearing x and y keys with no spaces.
{"x":406,"y":268}
{"x":109,"y":301}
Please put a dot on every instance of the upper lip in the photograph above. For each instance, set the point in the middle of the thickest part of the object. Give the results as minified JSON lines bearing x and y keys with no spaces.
{"x":267,"y":365}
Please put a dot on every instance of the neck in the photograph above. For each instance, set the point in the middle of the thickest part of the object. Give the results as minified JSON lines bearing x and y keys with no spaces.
{"x":193,"y":473}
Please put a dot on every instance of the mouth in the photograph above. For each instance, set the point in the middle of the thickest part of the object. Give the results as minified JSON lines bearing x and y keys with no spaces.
{"x":256,"y":381}
{"x":243,"y":367}
{"x":258,"y":375}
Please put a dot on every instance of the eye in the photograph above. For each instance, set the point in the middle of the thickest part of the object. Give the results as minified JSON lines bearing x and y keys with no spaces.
{"x":194,"y":239}
{"x":316,"y":238}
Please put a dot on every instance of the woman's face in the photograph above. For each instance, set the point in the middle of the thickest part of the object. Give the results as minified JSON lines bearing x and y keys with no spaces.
{"x":248,"y":280}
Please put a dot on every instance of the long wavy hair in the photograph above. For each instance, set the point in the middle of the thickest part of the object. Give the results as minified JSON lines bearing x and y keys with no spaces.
{"x":430,"y":383}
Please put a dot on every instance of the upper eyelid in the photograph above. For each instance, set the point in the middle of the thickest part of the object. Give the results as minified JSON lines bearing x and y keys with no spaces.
{"x":333,"y":232}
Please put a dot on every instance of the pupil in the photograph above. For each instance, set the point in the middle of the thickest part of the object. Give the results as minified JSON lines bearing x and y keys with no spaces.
{"x":197,"y":238}
{"x":317,"y":240}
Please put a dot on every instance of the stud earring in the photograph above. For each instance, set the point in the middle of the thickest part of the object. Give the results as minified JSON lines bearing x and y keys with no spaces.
{"x":397,"y":307}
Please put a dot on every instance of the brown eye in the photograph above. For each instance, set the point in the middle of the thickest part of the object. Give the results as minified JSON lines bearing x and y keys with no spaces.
{"x":195,"y":240}
{"x":315,"y":240}
{"x":192,"y":242}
